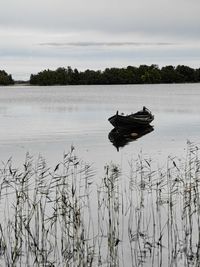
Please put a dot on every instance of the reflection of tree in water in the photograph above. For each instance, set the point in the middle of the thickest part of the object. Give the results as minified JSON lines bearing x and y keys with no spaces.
{"x":120,"y":137}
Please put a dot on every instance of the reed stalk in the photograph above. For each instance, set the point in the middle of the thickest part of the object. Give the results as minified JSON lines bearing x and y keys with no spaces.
{"x":65,"y":216}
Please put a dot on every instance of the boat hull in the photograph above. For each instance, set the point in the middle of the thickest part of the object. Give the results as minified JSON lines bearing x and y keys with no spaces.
{"x":119,"y":121}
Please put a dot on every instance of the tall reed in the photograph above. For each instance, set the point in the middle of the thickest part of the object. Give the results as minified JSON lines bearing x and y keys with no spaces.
{"x":67,"y":216}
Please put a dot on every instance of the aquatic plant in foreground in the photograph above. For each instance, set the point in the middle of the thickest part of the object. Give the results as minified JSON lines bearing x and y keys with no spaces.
{"x":65,"y":217}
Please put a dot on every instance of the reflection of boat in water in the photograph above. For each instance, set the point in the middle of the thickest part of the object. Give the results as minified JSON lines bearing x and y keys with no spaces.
{"x":120,"y":137}
{"x":137,"y":120}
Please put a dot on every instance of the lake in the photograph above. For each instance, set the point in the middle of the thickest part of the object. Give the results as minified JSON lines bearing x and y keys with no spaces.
{"x":146,"y":215}
{"x":48,"y":120}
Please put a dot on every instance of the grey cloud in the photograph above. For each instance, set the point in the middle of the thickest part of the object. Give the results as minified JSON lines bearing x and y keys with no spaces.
{"x":105,"y":44}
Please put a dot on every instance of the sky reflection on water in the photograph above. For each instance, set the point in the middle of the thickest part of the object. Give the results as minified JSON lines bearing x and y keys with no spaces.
{"x":48,"y":120}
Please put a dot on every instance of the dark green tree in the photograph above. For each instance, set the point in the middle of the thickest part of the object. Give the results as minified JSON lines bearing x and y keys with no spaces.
{"x":5,"y":79}
{"x":185,"y":73}
{"x":130,"y":75}
{"x":197,"y":75}
{"x":151,"y":74}
{"x":168,"y":74}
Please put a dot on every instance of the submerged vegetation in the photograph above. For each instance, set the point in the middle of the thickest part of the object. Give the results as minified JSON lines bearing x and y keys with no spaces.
{"x":65,"y":217}
{"x":131,"y":75}
{"x":5,"y":79}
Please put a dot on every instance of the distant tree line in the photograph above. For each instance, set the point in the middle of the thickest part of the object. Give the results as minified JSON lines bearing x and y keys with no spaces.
{"x":131,"y":75}
{"x":143,"y":74}
{"x":5,"y":79}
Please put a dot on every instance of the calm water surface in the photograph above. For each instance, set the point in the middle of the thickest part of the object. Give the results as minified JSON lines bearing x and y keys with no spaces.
{"x":48,"y":120}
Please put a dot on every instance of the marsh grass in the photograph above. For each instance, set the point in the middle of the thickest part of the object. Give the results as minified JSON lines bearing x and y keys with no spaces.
{"x":67,"y":217}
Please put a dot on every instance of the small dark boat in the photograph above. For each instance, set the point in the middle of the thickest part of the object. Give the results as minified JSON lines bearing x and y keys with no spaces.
{"x":137,"y":120}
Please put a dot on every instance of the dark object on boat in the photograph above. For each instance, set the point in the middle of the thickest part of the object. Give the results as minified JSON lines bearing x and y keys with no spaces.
{"x":120,"y":137}
{"x":139,"y":119}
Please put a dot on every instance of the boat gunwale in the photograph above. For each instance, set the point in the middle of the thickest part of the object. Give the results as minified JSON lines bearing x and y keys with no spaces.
{"x":135,"y":118}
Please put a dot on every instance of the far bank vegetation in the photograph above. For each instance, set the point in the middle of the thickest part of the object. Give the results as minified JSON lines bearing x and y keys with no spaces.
{"x":143,"y":74}
{"x":131,"y":75}
{"x":5,"y":78}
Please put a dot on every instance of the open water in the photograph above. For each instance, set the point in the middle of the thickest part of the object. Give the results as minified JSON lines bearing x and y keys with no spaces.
{"x":49,"y":120}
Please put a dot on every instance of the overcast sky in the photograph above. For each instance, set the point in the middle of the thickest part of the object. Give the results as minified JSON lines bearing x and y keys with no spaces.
{"x":40,"y":34}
